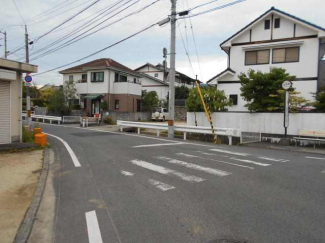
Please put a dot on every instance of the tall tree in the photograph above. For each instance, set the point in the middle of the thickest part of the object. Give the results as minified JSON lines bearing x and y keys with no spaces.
{"x":46,"y":94}
{"x":150,"y":100}
{"x":57,"y":103}
{"x":215,"y":99}
{"x":320,"y":99}
{"x":181,"y":92}
{"x":259,"y":89}
{"x":69,"y":91}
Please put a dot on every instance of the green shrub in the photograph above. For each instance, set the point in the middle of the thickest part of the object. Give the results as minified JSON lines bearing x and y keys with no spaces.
{"x":109,"y":120}
{"x":28,"y":136}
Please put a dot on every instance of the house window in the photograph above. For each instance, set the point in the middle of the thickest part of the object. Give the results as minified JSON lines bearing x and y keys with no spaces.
{"x":116,"y":77}
{"x":277,"y":23}
{"x":156,"y":75}
{"x":70,"y":77}
{"x":83,"y":78}
{"x":234,"y":99}
{"x":284,"y":55}
{"x":123,"y":78}
{"x":267,"y":24}
{"x":134,"y":80}
{"x":117,"y":104}
{"x":257,"y":57}
{"x":97,"y":77}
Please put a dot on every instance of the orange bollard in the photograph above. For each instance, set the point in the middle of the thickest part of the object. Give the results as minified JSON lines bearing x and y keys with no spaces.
{"x":41,"y":139}
{"x":37,"y":130}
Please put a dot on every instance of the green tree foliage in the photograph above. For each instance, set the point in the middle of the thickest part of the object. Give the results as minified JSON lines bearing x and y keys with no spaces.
{"x":46,"y":94}
{"x":259,"y":89}
{"x":215,"y":99}
{"x":320,"y":99}
{"x":295,"y":101}
{"x":33,"y":91}
{"x":181,"y":92}
{"x":69,"y":91}
{"x":57,"y":103}
{"x":150,"y":100}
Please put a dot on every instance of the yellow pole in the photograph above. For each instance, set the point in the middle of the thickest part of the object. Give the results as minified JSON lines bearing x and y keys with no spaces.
{"x":207,"y":112}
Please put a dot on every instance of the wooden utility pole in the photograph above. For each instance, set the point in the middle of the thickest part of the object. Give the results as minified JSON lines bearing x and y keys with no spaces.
{"x":29,"y":113}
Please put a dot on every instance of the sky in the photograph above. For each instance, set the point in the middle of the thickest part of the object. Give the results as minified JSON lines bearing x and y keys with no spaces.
{"x":209,"y":30}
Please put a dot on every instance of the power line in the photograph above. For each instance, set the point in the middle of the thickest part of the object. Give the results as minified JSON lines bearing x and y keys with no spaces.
{"x":78,"y":29}
{"x":76,"y":40}
{"x":101,"y":50}
{"x":19,"y":11}
{"x":67,"y":20}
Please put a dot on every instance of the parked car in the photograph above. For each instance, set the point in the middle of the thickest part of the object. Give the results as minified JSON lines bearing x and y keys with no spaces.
{"x":160,"y":114}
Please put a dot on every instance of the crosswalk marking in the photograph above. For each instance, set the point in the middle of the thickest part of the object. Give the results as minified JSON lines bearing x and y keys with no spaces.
{"x":250,"y":161}
{"x":315,"y":158}
{"x":219,"y":161}
{"x":166,"y":171}
{"x":229,"y":152}
{"x":162,"y":186}
{"x":273,"y":159}
{"x":206,"y":153}
{"x":127,"y":173}
{"x":194,"y":166}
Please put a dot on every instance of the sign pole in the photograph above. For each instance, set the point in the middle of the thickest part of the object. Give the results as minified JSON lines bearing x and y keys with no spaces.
{"x":286,"y":85}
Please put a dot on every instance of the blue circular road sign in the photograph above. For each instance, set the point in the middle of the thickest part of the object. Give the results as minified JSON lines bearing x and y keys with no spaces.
{"x":28,"y":78}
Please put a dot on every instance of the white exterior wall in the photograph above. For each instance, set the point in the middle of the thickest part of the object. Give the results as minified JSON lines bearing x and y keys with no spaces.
{"x":108,"y":86}
{"x":261,"y":122}
{"x":151,"y":85}
{"x":152,"y":71}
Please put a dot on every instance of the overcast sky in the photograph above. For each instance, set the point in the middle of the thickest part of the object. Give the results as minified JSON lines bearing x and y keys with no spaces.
{"x":209,"y":31}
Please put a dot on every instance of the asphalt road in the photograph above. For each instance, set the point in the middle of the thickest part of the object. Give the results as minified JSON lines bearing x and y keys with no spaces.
{"x":131,"y":188}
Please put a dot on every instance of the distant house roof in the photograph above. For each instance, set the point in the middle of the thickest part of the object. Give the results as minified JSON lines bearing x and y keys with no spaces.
{"x":154,"y":79}
{"x":273,"y":9}
{"x":98,"y":64}
{"x":222,"y":73}
{"x":161,"y":68}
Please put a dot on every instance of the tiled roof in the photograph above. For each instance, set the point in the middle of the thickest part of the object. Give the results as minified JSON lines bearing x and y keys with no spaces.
{"x":99,"y":63}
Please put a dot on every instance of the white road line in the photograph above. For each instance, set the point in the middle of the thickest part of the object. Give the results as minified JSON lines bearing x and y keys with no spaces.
{"x":157,"y":145}
{"x":315,"y":158}
{"x":250,"y":161}
{"x":72,"y":154}
{"x":194,"y":166}
{"x":273,"y":159}
{"x":219,"y":161}
{"x":229,"y":152}
{"x":166,"y":171}
{"x":206,"y":153}
{"x":162,"y":186}
{"x":94,"y":235}
{"x":126,"y":173}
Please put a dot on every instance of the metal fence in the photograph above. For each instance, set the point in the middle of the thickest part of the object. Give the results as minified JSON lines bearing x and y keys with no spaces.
{"x":250,"y":137}
{"x":71,"y":119}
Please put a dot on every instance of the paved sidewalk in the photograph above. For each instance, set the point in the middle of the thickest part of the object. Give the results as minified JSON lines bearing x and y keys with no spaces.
{"x":287,"y":148}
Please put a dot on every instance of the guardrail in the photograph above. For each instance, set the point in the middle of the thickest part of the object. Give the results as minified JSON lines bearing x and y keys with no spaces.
{"x":50,"y":118}
{"x":71,"y":119}
{"x":229,"y":132}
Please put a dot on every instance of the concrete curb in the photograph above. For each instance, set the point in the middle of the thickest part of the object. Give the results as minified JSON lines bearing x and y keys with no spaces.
{"x":288,"y":148}
{"x":26,"y":227}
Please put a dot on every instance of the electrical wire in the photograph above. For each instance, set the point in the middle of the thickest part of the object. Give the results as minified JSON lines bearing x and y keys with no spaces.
{"x":101,"y":50}
{"x":76,"y":40}
{"x":19,"y":11}
{"x":92,"y":4}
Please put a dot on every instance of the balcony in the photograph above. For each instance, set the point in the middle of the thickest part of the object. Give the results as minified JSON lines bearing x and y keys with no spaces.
{"x":127,"y":88}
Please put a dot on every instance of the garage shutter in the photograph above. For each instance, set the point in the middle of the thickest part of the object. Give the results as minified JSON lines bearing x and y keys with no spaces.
{"x":4,"y":112}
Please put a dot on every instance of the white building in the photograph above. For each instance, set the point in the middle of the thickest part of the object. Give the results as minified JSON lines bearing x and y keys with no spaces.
{"x":11,"y":74}
{"x":275,"y":39}
{"x":156,"y":79}
{"x":105,"y":80}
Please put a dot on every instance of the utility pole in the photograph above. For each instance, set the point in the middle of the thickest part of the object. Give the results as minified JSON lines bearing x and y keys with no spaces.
{"x":5,"y":41}
{"x":172,"y":71}
{"x":27,"y":84}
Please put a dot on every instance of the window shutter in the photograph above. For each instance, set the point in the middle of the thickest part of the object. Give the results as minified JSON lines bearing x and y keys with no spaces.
{"x":251,"y":57}
{"x":279,"y":55}
{"x":292,"y":54}
{"x":263,"y":57}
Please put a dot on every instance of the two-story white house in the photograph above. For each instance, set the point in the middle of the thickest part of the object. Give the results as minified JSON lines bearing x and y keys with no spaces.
{"x":105,"y":80}
{"x":275,"y":39}
{"x":155,"y":78}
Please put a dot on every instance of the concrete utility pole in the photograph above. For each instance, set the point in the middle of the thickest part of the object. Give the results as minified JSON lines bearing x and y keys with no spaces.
{"x":29,"y":113}
{"x":5,"y":41}
{"x":172,"y":71}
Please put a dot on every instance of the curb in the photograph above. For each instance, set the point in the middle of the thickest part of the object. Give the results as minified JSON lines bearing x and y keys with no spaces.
{"x":26,"y":226}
